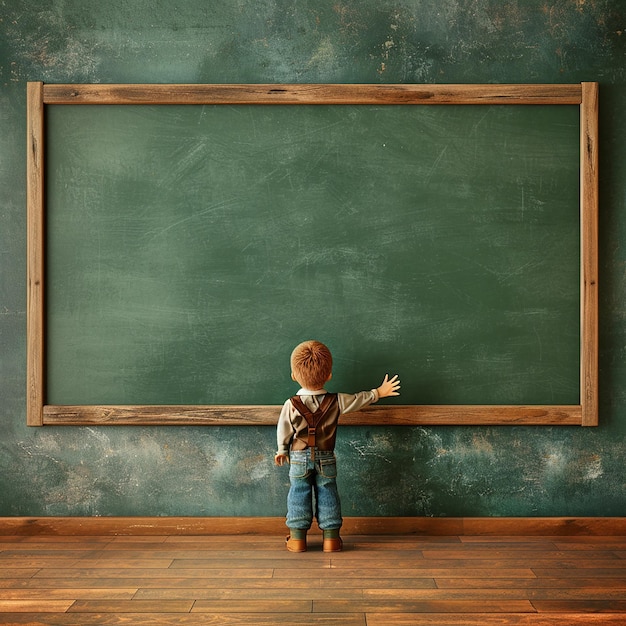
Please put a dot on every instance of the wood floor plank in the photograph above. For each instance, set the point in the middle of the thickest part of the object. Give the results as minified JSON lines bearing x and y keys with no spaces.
{"x":580,"y":606}
{"x":495,"y":594}
{"x":615,"y":546}
{"x":495,"y":563}
{"x":503,"y":543}
{"x":277,"y":552}
{"x":124,"y":539}
{"x":65,"y":539}
{"x":423,"y":572}
{"x":403,"y":594}
{"x":184,"y":619}
{"x":530,"y":583}
{"x":590,"y":539}
{"x":586,"y":572}
{"x":216,"y":540}
{"x":65,"y":594}
{"x":38,"y":563}
{"x":566,"y":619}
{"x":503,"y":538}
{"x":379,"y":583}
{"x":35,"y":606}
{"x":54,"y":545}
{"x":399,"y":538}
{"x":505,"y":553}
{"x":424,"y":606}
{"x":156,"y":582}
{"x":62,"y":562}
{"x":12,"y":573}
{"x":420,"y":595}
{"x":218,"y":592}
{"x":49,"y":549}
{"x":311,"y":564}
{"x":253,"y":606}
{"x":128,"y":563}
{"x":131,"y":606}
{"x":152,"y":573}
{"x":371,"y":546}
{"x":406,"y":558}
{"x":599,"y":594}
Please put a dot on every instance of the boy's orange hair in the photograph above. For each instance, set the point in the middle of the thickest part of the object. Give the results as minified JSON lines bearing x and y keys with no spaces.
{"x":311,"y":364}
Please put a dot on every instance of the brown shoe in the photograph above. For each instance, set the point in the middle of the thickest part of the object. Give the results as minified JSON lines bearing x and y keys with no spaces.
{"x":335,"y":544}
{"x":296,"y":545}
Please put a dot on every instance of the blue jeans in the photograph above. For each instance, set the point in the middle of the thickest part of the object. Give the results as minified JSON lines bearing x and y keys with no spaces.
{"x":313,"y":490}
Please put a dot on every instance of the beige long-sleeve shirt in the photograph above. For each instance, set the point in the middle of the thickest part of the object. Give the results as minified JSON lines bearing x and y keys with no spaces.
{"x":292,"y":429}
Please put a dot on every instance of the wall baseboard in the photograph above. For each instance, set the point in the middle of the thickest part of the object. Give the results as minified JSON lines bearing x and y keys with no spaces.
{"x":507,"y":526}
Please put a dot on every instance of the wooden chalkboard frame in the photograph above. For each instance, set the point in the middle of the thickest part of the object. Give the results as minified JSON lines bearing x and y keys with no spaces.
{"x":585,"y":95}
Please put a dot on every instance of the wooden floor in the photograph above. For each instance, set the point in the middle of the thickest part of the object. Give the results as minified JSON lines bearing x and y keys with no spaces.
{"x":253,"y":580}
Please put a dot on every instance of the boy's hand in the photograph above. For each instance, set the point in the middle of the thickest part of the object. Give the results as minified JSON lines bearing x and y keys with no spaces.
{"x":389,"y":387}
{"x":281,"y":459}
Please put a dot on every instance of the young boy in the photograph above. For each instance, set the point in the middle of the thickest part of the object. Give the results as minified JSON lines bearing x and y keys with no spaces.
{"x":306,"y":434}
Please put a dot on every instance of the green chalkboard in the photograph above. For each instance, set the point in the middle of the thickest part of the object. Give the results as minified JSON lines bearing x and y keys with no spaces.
{"x":189,"y":248}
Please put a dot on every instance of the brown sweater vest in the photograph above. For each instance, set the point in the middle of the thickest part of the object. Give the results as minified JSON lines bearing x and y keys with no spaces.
{"x":315,"y":419}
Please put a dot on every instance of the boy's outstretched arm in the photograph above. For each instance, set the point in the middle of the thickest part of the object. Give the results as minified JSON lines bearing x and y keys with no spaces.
{"x":389,"y":387}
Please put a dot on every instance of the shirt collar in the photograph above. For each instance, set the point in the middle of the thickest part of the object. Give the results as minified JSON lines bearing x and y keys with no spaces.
{"x":309,"y":392}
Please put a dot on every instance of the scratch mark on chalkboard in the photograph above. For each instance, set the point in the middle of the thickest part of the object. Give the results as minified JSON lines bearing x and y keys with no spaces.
{"x":502,"y":273}
{"x":474,"y":129}
{"x":435,"y":165}
{"x":155,"y":232}
{"x":370,"y":448}
{"x":540,"y":357}
{"x":185,"y":159}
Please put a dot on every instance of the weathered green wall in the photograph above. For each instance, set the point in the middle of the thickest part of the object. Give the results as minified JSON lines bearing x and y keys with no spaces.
{"x":385,"y":471}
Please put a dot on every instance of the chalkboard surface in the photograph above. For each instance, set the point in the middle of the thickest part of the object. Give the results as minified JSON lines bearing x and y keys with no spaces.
{"x":189,"y":248}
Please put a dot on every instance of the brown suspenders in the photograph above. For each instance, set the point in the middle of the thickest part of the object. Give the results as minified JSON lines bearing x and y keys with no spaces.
{"x":313,"y":419}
